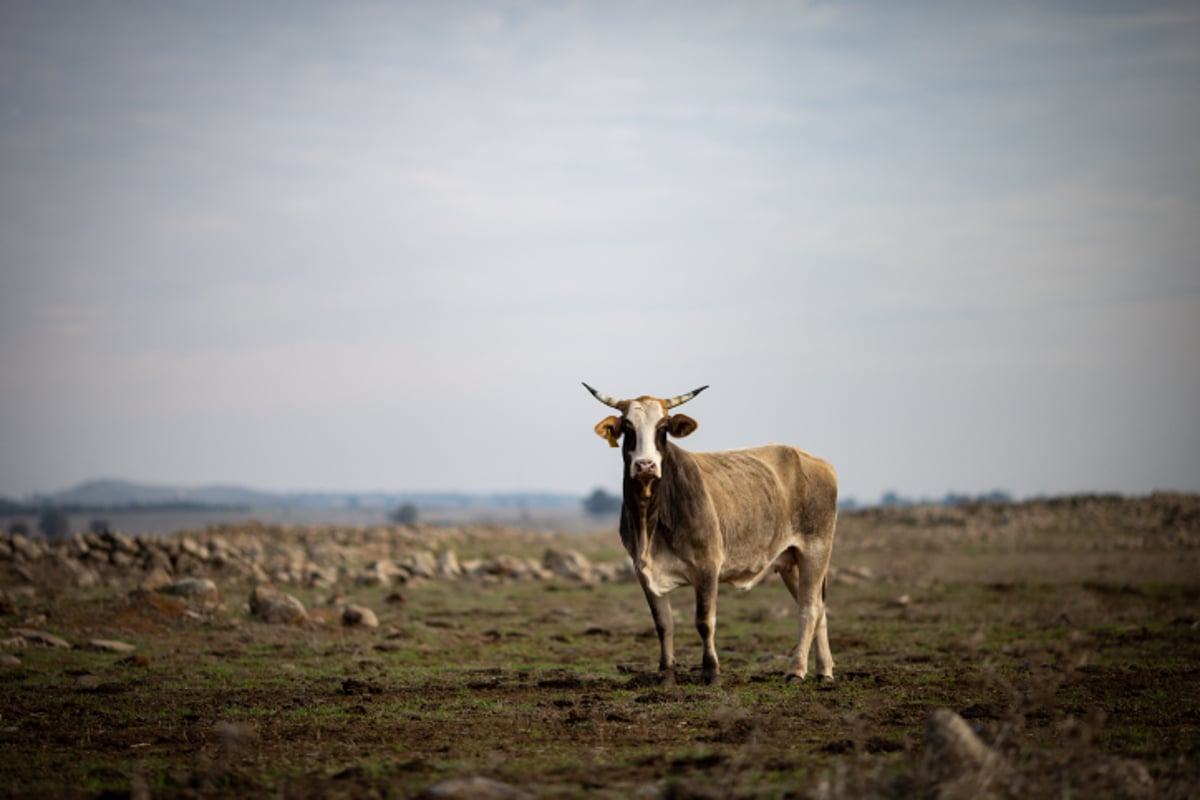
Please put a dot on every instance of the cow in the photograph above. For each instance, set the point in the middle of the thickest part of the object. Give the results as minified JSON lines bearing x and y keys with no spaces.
{"x":733,"y":516}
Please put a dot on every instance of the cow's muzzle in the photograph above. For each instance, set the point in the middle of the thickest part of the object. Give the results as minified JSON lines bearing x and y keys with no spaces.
{"x":645,"y":468}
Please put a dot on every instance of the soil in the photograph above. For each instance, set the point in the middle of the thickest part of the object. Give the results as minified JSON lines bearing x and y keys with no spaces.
{"x":1067,"y":636}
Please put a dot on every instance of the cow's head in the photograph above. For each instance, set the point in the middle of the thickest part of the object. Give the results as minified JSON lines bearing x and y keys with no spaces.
{"x":643,"y":428}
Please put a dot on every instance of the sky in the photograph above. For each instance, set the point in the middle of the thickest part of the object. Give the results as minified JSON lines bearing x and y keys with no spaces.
{"x":377,"y":246}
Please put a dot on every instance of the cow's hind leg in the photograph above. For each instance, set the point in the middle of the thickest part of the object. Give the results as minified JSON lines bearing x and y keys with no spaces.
{"x":664,"y":626}
{"x":807,"y":582}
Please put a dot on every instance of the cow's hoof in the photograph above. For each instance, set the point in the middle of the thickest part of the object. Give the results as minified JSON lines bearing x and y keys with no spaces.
{"x":793,"y":677}
{"x":666,"y":677}
{"x":711,"y":678}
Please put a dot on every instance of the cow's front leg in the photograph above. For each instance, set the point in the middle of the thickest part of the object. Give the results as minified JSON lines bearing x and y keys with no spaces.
{"x":706,"y":625}
{"x":664,"y":626}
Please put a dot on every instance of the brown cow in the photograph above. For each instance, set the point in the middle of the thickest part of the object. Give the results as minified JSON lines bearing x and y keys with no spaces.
{"x":732,"y":517}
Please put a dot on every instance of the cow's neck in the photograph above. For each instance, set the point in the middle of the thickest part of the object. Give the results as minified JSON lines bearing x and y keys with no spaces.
{"x":650,"y":507}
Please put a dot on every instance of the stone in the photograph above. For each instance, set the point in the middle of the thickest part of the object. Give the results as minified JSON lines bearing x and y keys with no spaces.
{"x":8,"y":661}
{"x":320,"y":577}
{"x":957,"y":758}
{"x":81,"y":577}
{"x":155,"y":579}
{"x":42,"y":638}
{"x":24,"y":549}
{"x":359,"y":616}
{"x":202,"y":589}
{"x":422,"y":564}
{"x":572,"y":565}
{"x":119,"y":542}
{"x":156,"y":558}
{"x":448,"y":566}
{"x":381,"y":573}
{"x":274,"y":607}
{"x":475,"y":787}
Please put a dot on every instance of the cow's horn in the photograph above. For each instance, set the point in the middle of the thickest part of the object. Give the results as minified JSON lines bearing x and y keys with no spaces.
{"x":683,"y":398}
{"x":603,"y":398}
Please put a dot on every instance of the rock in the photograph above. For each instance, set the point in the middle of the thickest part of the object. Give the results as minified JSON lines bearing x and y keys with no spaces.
{"x":81,"y":576}
{"x":156,"y":558}
{"x":572,"y":565}
{"x":316,"y":576}
{"x":42,"y":638}
{"x":475,"y":788}
{"x":381,"y":573}
{"x":956,"y":759}
{"x":155,"y":579}
{"x":14,"y":643}
{"x":1118,"y":777}
{"x":202,"y":589}
{"x":8,"y":661}
{"x":25,"y":549}
{"x":474,"y":567}
{"x":359,"y":616}
{"x":448,"y":566}
{"x":145,"y":600}
{"x":119,"y":542}
{"x":110,"y":646}
{"x":275,"y":607}
{"x":422,"y":564}
{"x":87,"y":681}
{"x":188,"y":564}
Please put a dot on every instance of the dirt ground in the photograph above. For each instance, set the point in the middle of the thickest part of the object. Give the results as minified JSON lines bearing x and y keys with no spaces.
{"x":1066,"y":636}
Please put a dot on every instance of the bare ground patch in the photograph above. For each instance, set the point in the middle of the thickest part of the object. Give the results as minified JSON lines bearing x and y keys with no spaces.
{"x":1081,"y":679}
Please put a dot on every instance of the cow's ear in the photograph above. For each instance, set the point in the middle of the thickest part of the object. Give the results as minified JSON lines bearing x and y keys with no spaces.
{"x":681,"y":425}
{"x":609,"y":428}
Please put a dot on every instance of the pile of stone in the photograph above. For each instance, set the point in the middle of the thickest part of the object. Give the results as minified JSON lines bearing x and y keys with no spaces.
{"x":261,"y":555}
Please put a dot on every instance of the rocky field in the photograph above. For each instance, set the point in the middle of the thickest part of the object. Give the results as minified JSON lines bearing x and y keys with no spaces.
{"x":1032,"y":649}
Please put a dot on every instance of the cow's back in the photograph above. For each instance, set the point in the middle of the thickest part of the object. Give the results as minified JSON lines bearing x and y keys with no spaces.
{"x":809,"y":482}
{"x":763,"y":498}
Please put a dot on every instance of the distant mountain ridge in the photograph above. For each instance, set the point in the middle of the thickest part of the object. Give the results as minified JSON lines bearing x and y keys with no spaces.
{"x":115,"y":493}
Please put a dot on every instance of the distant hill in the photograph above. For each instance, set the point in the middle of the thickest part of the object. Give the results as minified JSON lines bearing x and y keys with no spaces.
{"x":113,"y":494}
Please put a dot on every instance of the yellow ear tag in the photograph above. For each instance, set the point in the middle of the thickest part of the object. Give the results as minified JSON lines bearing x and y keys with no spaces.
{"x":612,"y":441}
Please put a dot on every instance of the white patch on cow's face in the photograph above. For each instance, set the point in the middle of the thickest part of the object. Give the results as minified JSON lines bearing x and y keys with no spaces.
{"x":642,"y":421}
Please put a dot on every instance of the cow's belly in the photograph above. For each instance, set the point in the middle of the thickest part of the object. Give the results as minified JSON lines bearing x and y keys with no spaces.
{"x":748,"y":576}
{"x":746,"y":573}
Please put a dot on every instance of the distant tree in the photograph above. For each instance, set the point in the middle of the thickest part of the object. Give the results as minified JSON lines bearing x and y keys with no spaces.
{"x":600,"y":503}
{"x":19,"y":526}
{"x":99,"y":526}
{"x":54,"y":524}
{"x":405,"y":515}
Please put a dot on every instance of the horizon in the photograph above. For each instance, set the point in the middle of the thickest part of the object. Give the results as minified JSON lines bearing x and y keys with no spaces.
{"x":886,"y":498}
{"x":944,"y":247}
